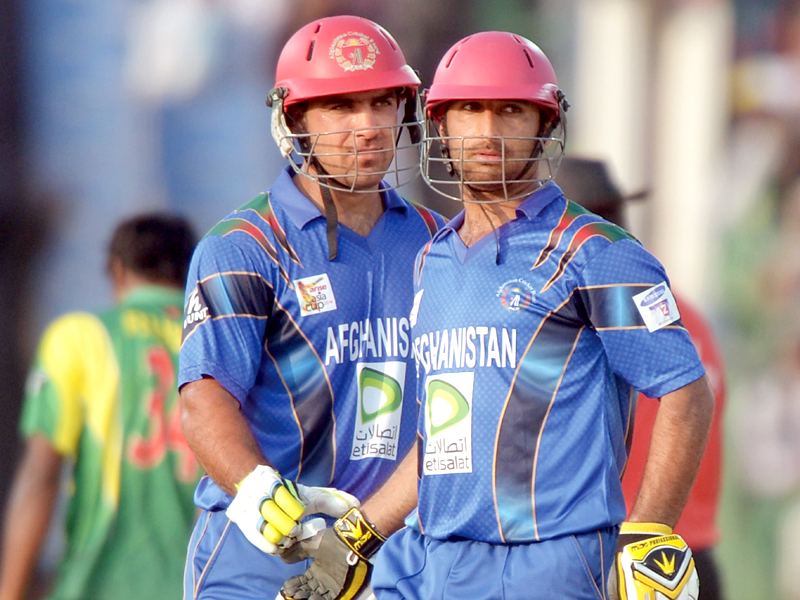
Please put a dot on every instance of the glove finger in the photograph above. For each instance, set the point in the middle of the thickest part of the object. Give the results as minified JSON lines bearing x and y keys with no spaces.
{"x":288,"y":502}
{"x":329,"y":501}
{"x":278,"y":519}
{"x":294,"y":554}
{"x":293,"y":584}
{"x":271,"y":535}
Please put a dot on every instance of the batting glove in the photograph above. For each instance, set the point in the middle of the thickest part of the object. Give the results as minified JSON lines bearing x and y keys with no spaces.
{"x":268,"y":508}
{"x":652,"y":563}
{"x":341,"y":568}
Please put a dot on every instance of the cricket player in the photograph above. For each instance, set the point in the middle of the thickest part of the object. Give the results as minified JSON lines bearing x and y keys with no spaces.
{"x":101,"y":399}
{"x":296,"y":367}
{"x":534,"y":323}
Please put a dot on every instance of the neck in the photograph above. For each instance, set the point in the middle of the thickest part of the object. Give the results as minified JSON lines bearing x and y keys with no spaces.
{"x":358,"y":211}
{"x":481,"y":219}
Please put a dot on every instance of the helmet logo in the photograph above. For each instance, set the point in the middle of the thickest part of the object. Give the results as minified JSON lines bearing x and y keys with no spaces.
{"x":354,"y":51}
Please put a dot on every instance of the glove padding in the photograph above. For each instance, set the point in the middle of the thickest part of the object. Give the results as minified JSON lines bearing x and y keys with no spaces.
{"x":268,"y":508}
{"x":652,"y":563}
{"x":341,"y":568}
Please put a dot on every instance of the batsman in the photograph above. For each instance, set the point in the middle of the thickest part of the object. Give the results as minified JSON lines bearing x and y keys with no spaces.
{"x":296,"y":369}
{"x":534,"y":323}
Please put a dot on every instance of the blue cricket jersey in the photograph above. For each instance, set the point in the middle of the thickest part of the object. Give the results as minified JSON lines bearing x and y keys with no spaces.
{"x":529,"y":347}
{"x":318,"y":353}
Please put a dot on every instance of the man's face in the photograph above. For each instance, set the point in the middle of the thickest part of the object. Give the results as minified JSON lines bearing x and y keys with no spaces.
{"x":352,"y":136}
{"x":491,"y":136}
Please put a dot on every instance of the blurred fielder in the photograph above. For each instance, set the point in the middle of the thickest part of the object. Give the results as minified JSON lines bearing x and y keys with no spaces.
{"x":101,"y":397}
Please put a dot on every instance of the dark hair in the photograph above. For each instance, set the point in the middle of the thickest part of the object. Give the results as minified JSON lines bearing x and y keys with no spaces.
{"x":156,"y":246}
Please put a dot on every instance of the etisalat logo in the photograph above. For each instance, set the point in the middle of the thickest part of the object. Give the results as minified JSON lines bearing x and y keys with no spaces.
{"x":380,"y":402}
{"x":448,"y":424}
{"x":516,"y":294}
{"x":446,"y":406}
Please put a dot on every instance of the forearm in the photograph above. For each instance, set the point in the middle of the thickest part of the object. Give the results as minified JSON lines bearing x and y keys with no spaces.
{"x":676,"y":448}
{"x":218,"y":433}
{"x":389,"y":506}
{"x":27,"y":518}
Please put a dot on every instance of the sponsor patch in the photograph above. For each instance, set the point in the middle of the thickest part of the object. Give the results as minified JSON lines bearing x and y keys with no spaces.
{"x":196,"y":311}
{"x":657,"y":306}
{"x":380,"y":408}
{"x":448,"y":424}
{"x":516,"y":294}
{"x":354,"y":51}
{"x":412,"y":318}
{"x":314,"y":294}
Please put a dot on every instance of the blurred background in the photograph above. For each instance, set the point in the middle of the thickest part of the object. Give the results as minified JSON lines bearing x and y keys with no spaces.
{"x":112,"y":107}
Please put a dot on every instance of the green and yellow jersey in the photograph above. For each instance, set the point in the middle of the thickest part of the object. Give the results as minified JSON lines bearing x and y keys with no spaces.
{"x":103,"y":391}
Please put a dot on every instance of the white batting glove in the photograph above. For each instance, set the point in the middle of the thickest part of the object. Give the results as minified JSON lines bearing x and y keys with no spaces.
{"x":267,"y":508}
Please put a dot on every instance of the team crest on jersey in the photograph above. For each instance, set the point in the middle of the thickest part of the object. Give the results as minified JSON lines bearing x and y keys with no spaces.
{"x":354,"y":51}
{"x":314,"y":294}
{"x":657,"y":306}
{"x":448,"y":424}
{"x":516,"y":294}
{"x":380,"y":408}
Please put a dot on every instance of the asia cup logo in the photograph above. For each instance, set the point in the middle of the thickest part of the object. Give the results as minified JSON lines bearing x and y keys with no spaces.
{"x":354,"y":51}
{"x":515,"y":295}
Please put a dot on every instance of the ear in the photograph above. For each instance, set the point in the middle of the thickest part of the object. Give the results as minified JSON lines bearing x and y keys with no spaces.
{"x":119,"y":276}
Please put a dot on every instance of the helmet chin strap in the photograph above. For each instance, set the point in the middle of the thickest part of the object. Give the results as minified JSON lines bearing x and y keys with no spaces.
{"x":331,"y":214}
{"x":331,"y":221}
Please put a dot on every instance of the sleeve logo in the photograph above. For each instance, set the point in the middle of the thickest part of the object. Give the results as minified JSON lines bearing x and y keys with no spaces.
{"x":657,"y":307}
{"x":314,"y":294}
{"x":196,"y":310}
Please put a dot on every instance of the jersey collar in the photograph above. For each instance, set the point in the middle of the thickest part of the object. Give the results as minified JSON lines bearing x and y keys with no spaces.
{"x":153,"y":294}
{"x":530,"y":208}
{"x":302,"y":211}
{"x":538,"y":200}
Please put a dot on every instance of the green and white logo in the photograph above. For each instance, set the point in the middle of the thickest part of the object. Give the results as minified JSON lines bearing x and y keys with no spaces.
{"x":380,"y":404}
{"x":446,"y":406}
{"x":381,"y":394}
{"x":448,"y":424}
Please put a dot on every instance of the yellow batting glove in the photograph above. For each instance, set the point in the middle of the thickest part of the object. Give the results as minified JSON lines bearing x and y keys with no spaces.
{"x":267,"y":508}
{"x":652,"y":563}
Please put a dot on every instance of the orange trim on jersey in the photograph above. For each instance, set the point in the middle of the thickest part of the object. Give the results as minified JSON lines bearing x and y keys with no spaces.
{"x":428,"y":217}
{"x":609,"y":231}
{"x":571,"y":212}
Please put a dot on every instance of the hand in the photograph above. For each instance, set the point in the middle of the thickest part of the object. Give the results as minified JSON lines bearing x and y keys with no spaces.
{"x":268,"y":508}
{"x":341,"y":567}
{"x":652,"y":563}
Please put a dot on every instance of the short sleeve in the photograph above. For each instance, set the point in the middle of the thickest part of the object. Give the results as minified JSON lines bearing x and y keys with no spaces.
{"x":228,"y":303}
{"x":612,"y":289}
{"x":55,"y":392}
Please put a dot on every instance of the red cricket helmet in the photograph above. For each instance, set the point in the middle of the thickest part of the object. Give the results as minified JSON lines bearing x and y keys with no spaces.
{"x":495,"y":65}
{"x":341,"y":55}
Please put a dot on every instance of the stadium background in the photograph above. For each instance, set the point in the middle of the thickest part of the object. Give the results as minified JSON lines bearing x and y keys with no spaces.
{"x":111,"y":107}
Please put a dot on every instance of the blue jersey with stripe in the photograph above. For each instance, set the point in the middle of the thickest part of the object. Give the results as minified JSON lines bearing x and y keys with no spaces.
{"x":318,"y":353}
{"x":529,"y":346}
